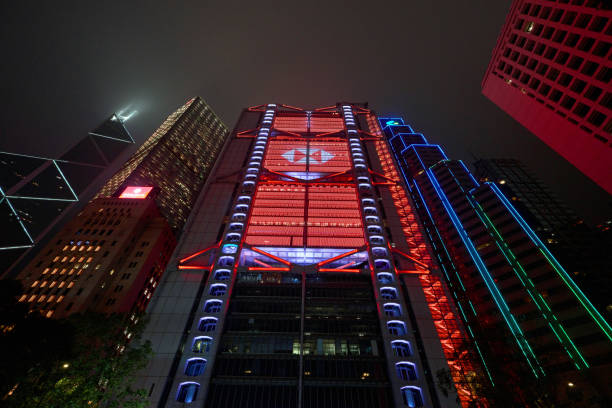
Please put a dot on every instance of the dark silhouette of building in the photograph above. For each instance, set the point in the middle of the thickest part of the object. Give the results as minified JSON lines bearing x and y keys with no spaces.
{"x":551,"y":72}
{"x":579,"y":248}
{"x":37,"y":193}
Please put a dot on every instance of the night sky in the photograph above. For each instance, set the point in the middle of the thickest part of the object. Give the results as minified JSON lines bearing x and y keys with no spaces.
{"x":68,"y":65}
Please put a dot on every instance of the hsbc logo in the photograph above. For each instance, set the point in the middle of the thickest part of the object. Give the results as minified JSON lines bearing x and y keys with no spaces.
{"x":315,"y":156}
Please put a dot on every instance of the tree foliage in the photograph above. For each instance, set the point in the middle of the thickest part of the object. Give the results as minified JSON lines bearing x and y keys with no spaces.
{"x":82,"y":361}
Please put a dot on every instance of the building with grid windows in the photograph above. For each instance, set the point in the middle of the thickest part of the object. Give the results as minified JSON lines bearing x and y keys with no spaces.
{"x":304,"y":278}
{"x":108,"y":259}
{"x":176,"y":159}
{"x":551,"y":71}
{"x":37,"y":193}
{"x":336,"y":259}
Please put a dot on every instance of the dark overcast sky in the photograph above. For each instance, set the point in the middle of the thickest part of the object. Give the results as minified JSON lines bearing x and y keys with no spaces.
{"x":66,"y":65}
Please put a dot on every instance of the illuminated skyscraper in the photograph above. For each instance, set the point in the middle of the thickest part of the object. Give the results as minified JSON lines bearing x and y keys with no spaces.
{"x":532,"y":323}
{"x":304,"y":278}
{"x":36,"y":193}
{"x":177,"y":159}
{"x":551,"y":72}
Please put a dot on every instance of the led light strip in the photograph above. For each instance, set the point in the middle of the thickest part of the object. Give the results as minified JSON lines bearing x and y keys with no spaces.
{"x":381,"y":263}
{"x":223,"y":273}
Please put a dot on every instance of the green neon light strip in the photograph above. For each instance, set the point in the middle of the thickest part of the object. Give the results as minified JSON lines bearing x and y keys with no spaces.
{"x":599,"y":320}
{"x":537,"y":298}
{"x":511,"y":322}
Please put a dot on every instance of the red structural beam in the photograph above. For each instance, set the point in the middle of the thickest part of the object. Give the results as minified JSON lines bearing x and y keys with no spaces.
{"x":335,"y":258}
{"x":200,"y":252}
{"x":413,"y":259}
{"x":257,"y":268}
{"x":292,"y":107}
{"x":194,"y":267}
{"x":339,"y":270}
{"x":276,"y":258}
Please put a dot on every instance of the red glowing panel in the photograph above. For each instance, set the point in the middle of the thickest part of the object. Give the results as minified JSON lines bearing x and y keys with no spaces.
{"x":324,"y":124}
{"x":293,"y":123}
{"x":299,"y":155}
{"x":281,"y":217}
{"x":136,"y":192}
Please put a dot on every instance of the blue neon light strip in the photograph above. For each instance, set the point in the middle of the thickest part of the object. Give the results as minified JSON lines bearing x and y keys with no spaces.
{"x":493,"y":289}
{"x":599,"y":320}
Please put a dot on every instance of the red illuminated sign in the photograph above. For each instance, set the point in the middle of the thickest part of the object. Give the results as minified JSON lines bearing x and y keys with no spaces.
{"x":136,"y":192}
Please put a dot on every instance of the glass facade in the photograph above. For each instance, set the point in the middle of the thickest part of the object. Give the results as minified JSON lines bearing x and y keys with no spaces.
{"x":36,"y":192}
{"x":177,"y":159}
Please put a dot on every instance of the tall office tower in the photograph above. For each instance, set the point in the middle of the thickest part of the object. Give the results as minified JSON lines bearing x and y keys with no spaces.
{"x":108,"y":259}
{"x":36,"y":193}
{"x":578,"y":247}
{"x":551,"y":72}
{"x":304,"y":279}
{"x":176,"y":158}
{"x":535,"y":328}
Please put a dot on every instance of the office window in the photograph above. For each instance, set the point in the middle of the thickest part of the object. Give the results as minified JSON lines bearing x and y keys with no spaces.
{"x":187,"y":392}
{"x":412,"y":397}
{"x":406,"y":371}
{"x":195,"y":367}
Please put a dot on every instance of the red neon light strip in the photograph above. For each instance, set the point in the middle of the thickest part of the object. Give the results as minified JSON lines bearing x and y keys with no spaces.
{"x":334,"y":132}
{"x":347,"y":265}
{"x":276,"y":258}
{"x":339,"y":270}
{"x":416,"y":261}
{"x":325,"y":108}
{"x":200,"y":252}
{"x":292,"y":107}
{"x":335,"y":258}
{"x":194,"y":267}
{"x":257,"y":268}
{"x":262,"y":263}
{"x":257,"y":108}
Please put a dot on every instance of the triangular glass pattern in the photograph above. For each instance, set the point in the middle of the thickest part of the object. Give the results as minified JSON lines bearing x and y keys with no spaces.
{"x":79,"y":176}
{"x":13,"y":233}
{"x":111,"y":149}
{"x":15,"y":167}
{"x":112,"y":127}
{"x":85,"y":152}
{"x":48,"y":184}
{"x":37,"y":215}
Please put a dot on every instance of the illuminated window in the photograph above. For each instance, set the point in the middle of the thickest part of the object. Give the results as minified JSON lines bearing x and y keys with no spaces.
{"x":195,"y":367}
{"x":213,"y":306}
{"x":406,"y":371}
{"x":187,"y":392}
{"x":388,"y":293}
{"x":396,"y":328}
{"x":412,"y":397}
{"x":201,"y":344}
{"x":207,"y":324}
{"x":223,"y":274}
{"x":392,"y":309}
{"x":401,"y":348}
{"x":218,"y":289}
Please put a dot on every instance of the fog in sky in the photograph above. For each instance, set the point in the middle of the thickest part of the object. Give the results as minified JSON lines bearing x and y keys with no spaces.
{"x":69,"y":64}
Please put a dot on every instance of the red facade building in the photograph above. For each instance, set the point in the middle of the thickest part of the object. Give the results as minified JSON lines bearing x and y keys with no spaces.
{"x":551,"y":72}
